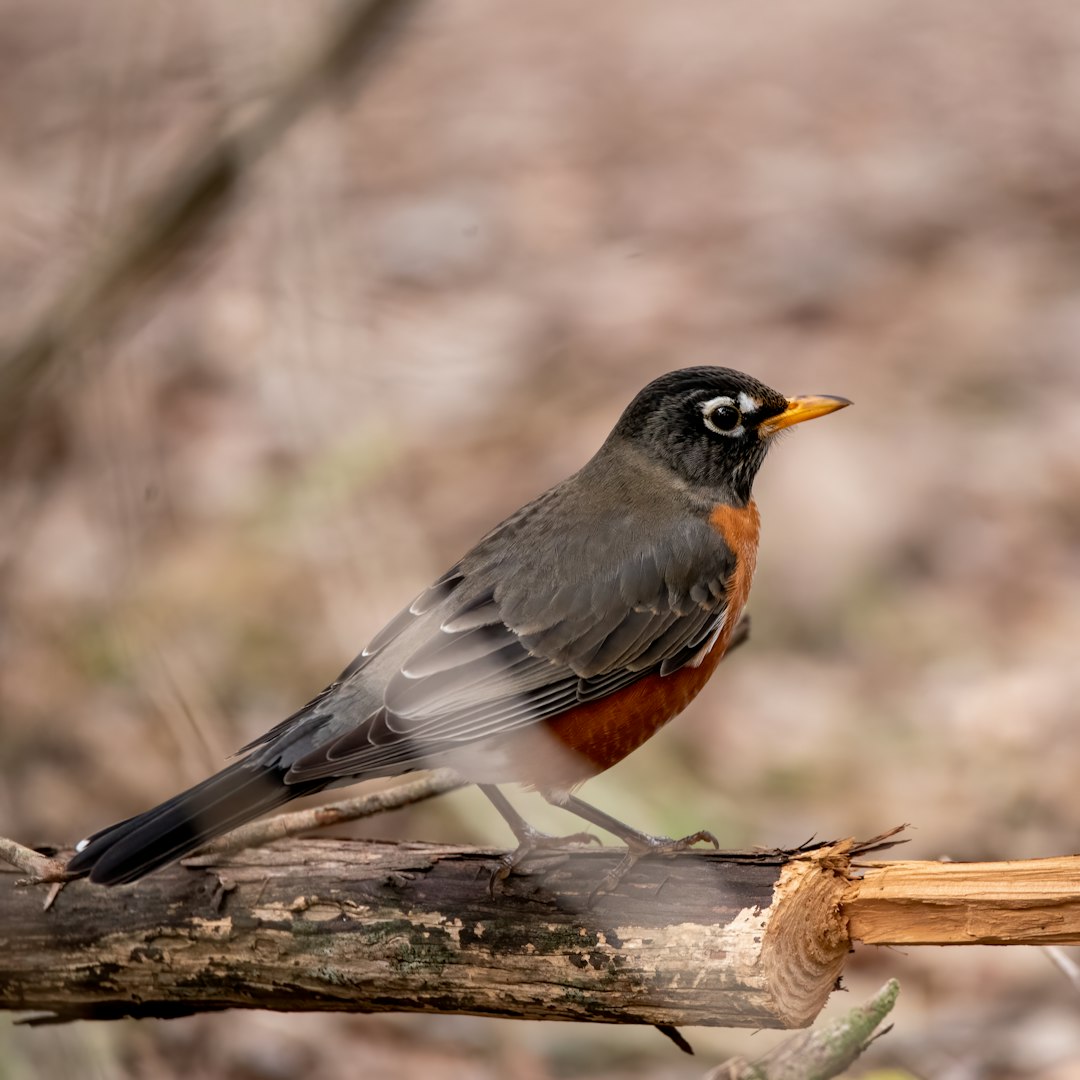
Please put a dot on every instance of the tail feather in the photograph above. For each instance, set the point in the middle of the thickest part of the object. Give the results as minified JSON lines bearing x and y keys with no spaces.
{"x":128,"y":850}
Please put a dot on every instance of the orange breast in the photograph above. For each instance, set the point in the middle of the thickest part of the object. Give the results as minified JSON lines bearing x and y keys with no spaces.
{"x":740,"y":527}
{"x":601,"y":733}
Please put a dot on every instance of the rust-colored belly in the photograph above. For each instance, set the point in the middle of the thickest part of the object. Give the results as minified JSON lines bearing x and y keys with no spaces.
{"x":597,"y":735}
{"x":603,"y":732}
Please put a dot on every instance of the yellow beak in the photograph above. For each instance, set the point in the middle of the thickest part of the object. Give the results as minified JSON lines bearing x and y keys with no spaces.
{"x":803,"y":408}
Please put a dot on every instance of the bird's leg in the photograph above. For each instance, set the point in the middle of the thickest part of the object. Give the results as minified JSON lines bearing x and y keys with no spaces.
{"x":637,"y":843}
{"x":529,"y":839}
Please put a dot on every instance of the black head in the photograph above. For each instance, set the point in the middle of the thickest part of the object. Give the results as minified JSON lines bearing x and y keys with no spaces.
{"x":713,"y":426}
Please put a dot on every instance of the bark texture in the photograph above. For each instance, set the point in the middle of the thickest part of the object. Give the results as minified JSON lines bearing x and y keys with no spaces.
{"x":735,"y":939}
{"x":738,"y":940}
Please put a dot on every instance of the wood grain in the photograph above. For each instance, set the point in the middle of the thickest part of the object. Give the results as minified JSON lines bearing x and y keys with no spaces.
{"x":746,"y":939}
{"x":1020,"y":902}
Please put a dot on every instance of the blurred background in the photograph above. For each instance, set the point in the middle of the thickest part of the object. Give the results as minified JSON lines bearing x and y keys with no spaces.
{"x":429,"y":298}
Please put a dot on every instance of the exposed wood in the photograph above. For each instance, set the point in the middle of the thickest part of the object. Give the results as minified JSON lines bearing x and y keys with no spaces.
{"x":1022,"y":902}
{"x":734,"y":938}
{"x":739,"y":940}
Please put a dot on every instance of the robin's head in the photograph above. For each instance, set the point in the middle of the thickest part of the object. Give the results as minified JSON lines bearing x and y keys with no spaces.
{"x":713,"y":425}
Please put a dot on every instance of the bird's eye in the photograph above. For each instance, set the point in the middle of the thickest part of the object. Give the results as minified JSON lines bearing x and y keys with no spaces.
{"x":724,"y":419}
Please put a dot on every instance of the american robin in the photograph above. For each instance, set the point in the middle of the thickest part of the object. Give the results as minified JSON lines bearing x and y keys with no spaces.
{"x":565,"y":638}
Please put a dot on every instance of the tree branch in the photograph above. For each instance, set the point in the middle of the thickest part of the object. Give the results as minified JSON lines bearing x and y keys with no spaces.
{"x":824,"y":1052}
{"x":40,"y":867}
{"x":176,"y":217}
{"x":751,"y":938}
{"x":265,"y":830}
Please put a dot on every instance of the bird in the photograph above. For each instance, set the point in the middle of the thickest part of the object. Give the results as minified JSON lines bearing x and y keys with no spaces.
{"x":562,"y":641}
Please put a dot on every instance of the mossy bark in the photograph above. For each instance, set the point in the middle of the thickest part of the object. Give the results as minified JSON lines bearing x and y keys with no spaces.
{"x":739,"y":940}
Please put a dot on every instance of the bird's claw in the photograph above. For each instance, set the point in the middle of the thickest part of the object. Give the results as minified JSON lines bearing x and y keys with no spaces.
{"x":531,"y":844}
{"x":639,"y":847}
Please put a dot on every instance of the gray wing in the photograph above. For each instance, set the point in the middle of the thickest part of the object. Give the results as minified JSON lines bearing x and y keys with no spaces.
{"x":504,"y":641}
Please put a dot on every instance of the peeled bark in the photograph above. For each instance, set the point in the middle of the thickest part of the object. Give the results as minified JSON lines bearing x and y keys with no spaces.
{"x":745,"y":940}
{"x":735,"y":939}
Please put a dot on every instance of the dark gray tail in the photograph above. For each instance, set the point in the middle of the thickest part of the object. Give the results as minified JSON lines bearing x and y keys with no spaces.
{"x":128,"y":850}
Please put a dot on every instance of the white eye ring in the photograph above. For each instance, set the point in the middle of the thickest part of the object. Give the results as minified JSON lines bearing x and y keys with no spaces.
{"x":710,"y":406}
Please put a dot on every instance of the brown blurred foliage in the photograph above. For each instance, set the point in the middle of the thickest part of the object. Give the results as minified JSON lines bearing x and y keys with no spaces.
{"x":431,"y":300}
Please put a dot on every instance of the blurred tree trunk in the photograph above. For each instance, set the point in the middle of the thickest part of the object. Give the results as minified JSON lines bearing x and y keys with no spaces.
{"x":175,"y":219}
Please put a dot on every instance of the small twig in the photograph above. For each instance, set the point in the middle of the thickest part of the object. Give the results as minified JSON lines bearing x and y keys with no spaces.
{"x":1065,"y":963}
{"x":257,"y":833}
{"x":40,"y":867}
{"x":820,"y":1053}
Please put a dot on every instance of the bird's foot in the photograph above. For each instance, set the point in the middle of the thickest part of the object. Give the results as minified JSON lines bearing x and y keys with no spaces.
{"x":640,"y":845}
{"x":532,"y":842}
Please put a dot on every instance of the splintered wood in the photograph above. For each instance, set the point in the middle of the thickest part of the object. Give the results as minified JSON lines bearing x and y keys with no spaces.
{"x":1023,"y":902}
{"x":741,"y":939}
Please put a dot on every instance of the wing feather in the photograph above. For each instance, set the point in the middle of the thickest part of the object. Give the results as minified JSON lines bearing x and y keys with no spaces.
{"x":501,"y":643}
